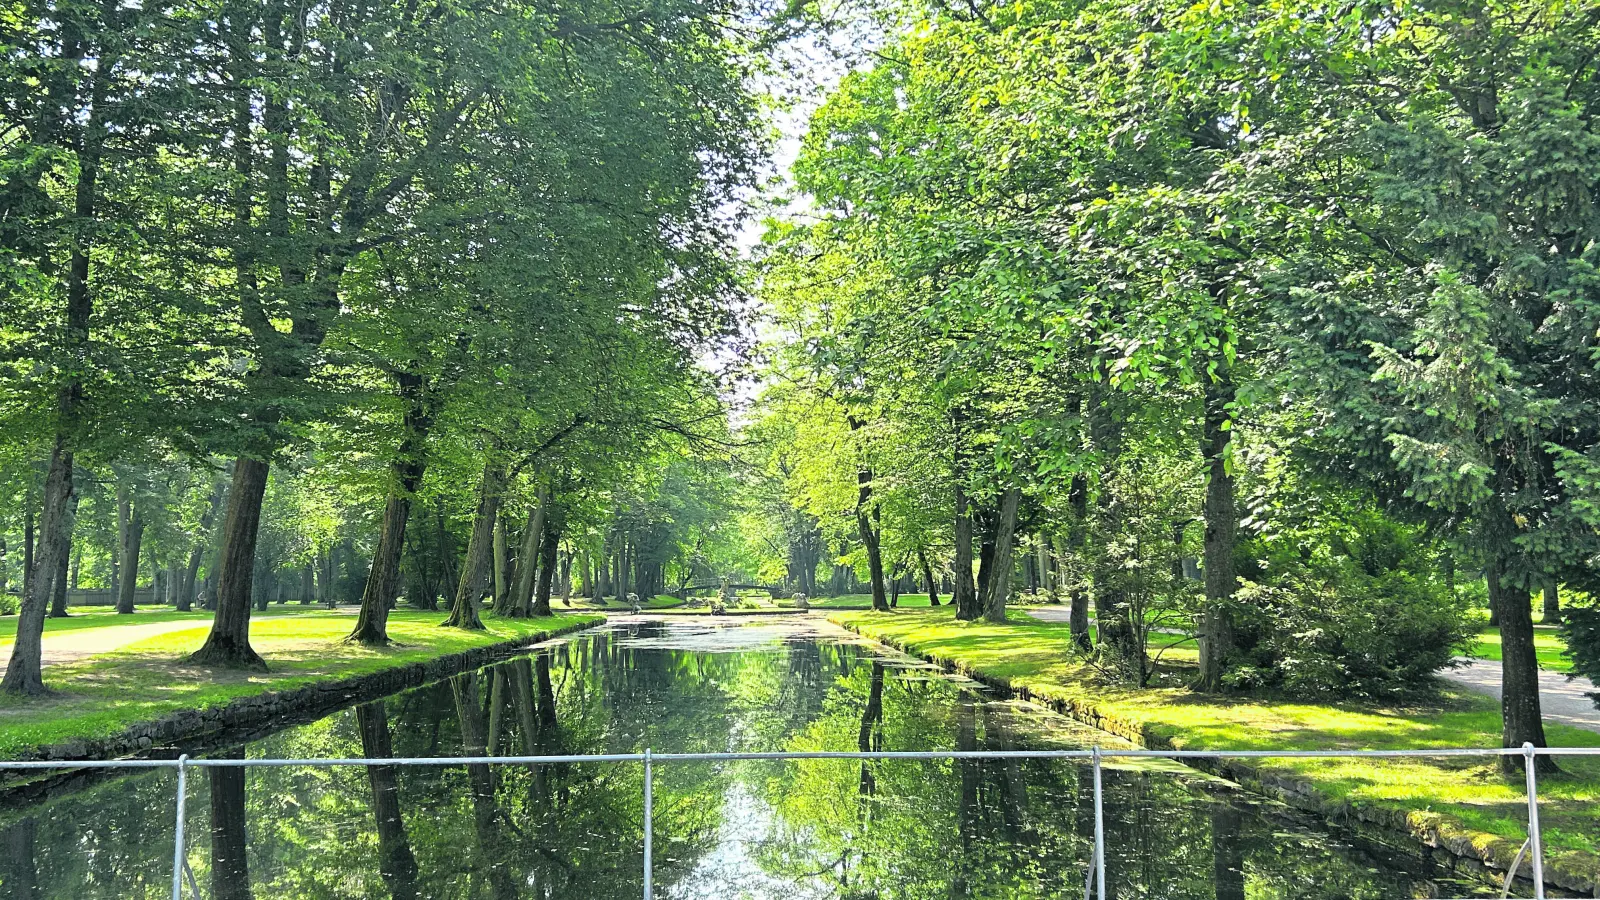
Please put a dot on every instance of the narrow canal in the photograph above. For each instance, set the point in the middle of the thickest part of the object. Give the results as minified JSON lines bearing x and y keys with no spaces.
{"x":814,"y":829}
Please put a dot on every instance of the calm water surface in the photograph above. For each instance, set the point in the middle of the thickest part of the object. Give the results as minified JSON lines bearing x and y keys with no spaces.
{"x":825,"y":829}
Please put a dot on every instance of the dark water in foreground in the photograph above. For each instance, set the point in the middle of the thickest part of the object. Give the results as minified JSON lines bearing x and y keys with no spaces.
{"x":814,"y":829}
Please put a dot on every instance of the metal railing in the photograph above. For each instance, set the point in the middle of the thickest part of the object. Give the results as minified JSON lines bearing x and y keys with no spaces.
{"x":1095,"y":883}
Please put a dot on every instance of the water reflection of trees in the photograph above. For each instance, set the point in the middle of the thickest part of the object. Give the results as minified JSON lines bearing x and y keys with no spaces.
{"x":1011,"y":828}
{"x":944,"y":829}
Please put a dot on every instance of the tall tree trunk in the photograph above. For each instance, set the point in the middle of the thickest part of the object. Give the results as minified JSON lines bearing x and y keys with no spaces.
{"x":58,"y":578}
{"x":1041,"y":550}
{"x":999,"y":588}
{"x":464,"y":612}
{"x":867,"y":527}
{"x":228,"y":644}
{"x":1077,"y":537}
{"x":383,"y":580}
{"x":1222,"y":525}
{"x":1521,"y":718}
{"x":405,"y":473}
{"x":186,"y":595}
{"x":190,"y":572}
{"x":927,"y":578}
{"x":1110,"y":602}
{"x":965,"y":593}
{"x":547,"y":563}
{"x":28,"y":540}
{"x":501,"y":564}
{"x":1552,"y":603}
{"x":230,"y":867}
{"x":528,"y":558}
{"x":24,"y":674}
{"x":397,"y":866}
{"x":130,"y":534}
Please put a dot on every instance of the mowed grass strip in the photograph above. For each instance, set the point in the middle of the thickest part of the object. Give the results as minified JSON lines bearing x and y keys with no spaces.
{"x":103,"y":695}
{"x":1471,"y":793}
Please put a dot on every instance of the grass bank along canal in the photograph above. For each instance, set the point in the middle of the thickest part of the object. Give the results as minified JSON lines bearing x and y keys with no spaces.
{"x":758,"y":829}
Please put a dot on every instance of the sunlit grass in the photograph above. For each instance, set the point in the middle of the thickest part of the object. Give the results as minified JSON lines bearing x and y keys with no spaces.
{"x":908,"y":600}
{"x":1547,"y":644}
{"x":1471,"y":793}
{"x":107,"y":617}
{"x":104,"y":694}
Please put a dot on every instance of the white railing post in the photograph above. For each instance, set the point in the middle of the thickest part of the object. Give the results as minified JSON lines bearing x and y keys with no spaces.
{"x":177,"y":836}
{"x":649,"y":816}
{"x":1535,"y":842}
{"x":1099,"y":831}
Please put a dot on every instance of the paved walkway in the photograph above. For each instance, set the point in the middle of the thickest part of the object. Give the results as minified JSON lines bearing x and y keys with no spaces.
{"x":1560,"y":699}
{"x":1061,"y":615}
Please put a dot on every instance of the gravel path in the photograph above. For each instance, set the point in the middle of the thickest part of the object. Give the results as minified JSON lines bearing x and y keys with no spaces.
{"x":1058,"y":614}
{"x":1561,"y":700}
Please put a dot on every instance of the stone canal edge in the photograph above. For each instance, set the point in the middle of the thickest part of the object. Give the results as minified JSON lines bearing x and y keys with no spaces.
{"x":302,"y":704}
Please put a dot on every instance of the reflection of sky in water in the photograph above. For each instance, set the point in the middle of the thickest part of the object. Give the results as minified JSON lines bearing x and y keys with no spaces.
{"x":730,"y":868}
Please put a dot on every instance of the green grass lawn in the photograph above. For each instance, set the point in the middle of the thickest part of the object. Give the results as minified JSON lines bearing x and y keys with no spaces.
{"x":1547,"y":644}
{"x":107,"y":617}
{"x":144,"y":680}
{"x":864,"y":601}
{"x":1460,"y":794}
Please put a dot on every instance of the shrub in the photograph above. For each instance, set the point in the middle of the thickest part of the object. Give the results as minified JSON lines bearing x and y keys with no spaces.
{"x":1331,"y":628}
{"x":1580,"y":628}
{"x":9,"y":603}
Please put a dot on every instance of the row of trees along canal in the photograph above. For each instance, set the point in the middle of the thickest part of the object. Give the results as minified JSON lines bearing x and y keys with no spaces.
{"x":341,"y":296}
{"x":1303,"y":293}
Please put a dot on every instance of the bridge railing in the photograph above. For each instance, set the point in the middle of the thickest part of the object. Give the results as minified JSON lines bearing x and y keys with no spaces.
{"x":1094,"y":883}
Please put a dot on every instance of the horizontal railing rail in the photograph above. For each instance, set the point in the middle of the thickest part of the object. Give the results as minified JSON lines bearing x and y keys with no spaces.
{"x":1095,"y":885}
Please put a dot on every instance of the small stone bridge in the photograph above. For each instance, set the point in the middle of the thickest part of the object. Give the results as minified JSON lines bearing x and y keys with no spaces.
{"x":776,"y":590}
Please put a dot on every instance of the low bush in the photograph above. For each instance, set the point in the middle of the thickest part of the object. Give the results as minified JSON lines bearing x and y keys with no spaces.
{"x":1335,"y":631}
